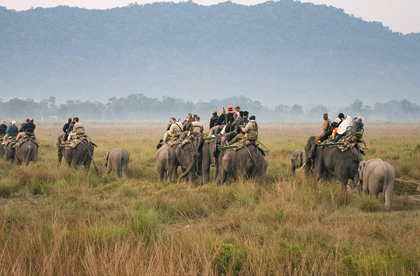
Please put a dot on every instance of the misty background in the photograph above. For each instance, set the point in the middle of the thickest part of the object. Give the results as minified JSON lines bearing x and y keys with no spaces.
{"x":280,"y":60}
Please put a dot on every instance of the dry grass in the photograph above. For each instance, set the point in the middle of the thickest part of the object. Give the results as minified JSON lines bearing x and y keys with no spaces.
{"x":57,"y":221}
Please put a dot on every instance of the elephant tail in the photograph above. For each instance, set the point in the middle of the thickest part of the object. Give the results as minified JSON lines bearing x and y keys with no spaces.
{"x":30,"y":151}
{"x":190,"y":167}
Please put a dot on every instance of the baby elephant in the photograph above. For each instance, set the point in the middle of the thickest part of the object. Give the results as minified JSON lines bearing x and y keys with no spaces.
{"x":117,"y":160}
{"x":298,"y":159}
{"x":377,"y":176}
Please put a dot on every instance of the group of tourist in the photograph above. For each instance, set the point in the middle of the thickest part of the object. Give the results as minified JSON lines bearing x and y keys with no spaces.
{"x":12,"y":132}
{"x":339,"y":128}
{"x":72,"y":128}
{"x":234,"y":125}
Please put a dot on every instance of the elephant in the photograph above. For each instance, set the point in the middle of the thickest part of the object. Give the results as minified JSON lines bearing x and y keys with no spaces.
{"x":82,"y":154}
{"x":377,"y":176}
{"x":249,"y":162}
{"x":208,"y":154}
{"x":331,"y":163}
{"x":26,"y":152}
{"x":298,"y":159}
{"x":189,"y":156}
{"x":166,"y":163}
{"x":117,"y":160}
{"x":9,"y":152}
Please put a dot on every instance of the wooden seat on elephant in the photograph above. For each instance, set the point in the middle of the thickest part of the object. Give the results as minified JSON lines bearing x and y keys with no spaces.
{"x":77,"y":139}
{"x":26,"y":138}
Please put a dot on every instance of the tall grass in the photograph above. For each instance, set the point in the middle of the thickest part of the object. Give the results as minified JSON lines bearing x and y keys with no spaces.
{"x":59,"y":221}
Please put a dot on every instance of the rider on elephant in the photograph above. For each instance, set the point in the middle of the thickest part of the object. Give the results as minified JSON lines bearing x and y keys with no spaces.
{"x":197,"y":126}
{"x":66,"y":129}
{"x":326,"y":129}
{"x":174,"y":131}
{"x":27,"y":129}
{"x":343,"y":126}
{"x":250,"y":131}
{"x":3,"y":129}
{"x":187,"y":124}
{"x":214,"y":119}
{"x":241,"y":122}
{"x":78,"y":128}
{"x":12,"y":131}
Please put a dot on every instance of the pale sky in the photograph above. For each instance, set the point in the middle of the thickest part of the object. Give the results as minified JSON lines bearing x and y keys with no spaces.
{"x":399,"y":15}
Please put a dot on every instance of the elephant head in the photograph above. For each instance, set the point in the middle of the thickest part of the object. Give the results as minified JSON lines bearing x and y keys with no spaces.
{"x":310,"y":150}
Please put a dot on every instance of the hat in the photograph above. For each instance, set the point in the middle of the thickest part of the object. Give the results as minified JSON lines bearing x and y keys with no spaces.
{"x":359,"y":119}
{"x":252,"y":117}
{"x":337,"y":121}
{"x":223,"y":111}
{"x":3,"y":122}
{"x":13,"y":122}
{"x":230,"y":108}
{"x":215,"y":112}
{"x":237,"y":108}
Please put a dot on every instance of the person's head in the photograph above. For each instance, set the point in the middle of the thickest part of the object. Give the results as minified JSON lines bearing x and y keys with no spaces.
{"x":252,"y":117}
{"x":197,"y":118}
{"x":325,"y":116}
{"x":246,"y":114}
{"x":215,"y":113}
{"x":189,"y":116}
{"x":172,"y":120}
{"x":222,"y":111}
{"x":3,"y":122}
{"x":31,"y":120}
{"x":69,"y":120}
{"x":241,"y":113}
{"x":334,"y":124}
{"x":359,"y":118}
{"x":237,"y":108}
{"x":337,"y":121}
{"x":13,"y":122}
{"x":341,"y":116}
{"x":230,"y":108}
{"x":76,"y":119}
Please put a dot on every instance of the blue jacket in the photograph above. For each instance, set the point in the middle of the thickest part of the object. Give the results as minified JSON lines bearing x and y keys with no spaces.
{"x":70,"y":128}
{"x":12,"y":130}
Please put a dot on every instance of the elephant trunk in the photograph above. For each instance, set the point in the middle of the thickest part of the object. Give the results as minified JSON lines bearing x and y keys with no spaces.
{"x":190,"y":167}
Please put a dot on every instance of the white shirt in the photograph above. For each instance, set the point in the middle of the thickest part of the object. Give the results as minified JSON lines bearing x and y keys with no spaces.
{"x":342,"y":128}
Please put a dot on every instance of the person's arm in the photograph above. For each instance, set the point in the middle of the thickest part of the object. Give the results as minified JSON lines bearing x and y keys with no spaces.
{"x":325,"y":126}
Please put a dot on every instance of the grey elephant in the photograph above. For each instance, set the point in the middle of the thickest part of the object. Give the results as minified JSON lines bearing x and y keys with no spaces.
{"x":247,"y":162}
{"x":189,"y":156}
{"x":166,"y":163}
{"x":209,"y":157}
{"x":81,"y":154}
{"x":331,"y":163}
{"x":26,"y":152}
{"x":9,"y":152}
{"x":377,"y":176}
{"x":117,"y":160}
{"x":298,"y":158}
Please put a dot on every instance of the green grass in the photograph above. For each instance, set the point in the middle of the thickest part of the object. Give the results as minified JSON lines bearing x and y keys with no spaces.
{"x":59,"y":221}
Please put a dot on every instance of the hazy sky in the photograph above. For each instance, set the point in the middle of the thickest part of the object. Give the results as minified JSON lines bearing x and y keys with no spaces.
{"x":400,"y":15}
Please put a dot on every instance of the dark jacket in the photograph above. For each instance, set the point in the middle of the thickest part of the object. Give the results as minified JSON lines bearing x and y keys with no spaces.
{"x":66,"y":127}
{"x":3,"y":129}
{"x":30,"y":127}
{"x":241,"y":122}
{"x":221,"y":120}
{"x":13,"y":130}
{"x":70,"y":128}
{"x":188,"y":124}
{"x":213,"y":120}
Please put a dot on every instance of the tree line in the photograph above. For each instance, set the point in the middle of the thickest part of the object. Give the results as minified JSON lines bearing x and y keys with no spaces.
{"x":141,"y":107}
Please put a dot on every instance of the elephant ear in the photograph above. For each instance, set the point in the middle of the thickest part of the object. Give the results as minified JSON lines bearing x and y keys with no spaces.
{"x":107,"y":155}
{"x":300,"y":158}
{"x":312,"y":151}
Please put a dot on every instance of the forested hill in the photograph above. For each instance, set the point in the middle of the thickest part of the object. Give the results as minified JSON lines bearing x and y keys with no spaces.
{"x":278,"y":53}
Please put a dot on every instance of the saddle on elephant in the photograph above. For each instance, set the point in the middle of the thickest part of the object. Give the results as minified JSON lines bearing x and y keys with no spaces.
{"x":75,"y":140}
{"x":10,"y":139}
{"x":244,"y":144}
{"x":27,"y":137}
{"x":346,"y":142}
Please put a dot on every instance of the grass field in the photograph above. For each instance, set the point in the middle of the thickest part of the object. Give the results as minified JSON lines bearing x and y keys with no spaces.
{"x":59,"y":221}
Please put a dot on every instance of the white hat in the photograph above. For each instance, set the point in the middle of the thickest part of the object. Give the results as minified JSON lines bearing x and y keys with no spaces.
{"x":337,"y":121}
{"x":359,"y":119}
{"x":13,"y":122}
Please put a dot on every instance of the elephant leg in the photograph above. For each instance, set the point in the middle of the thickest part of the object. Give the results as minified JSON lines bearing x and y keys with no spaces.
{"x":387,"y":195}
{"x":124,"y":170}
